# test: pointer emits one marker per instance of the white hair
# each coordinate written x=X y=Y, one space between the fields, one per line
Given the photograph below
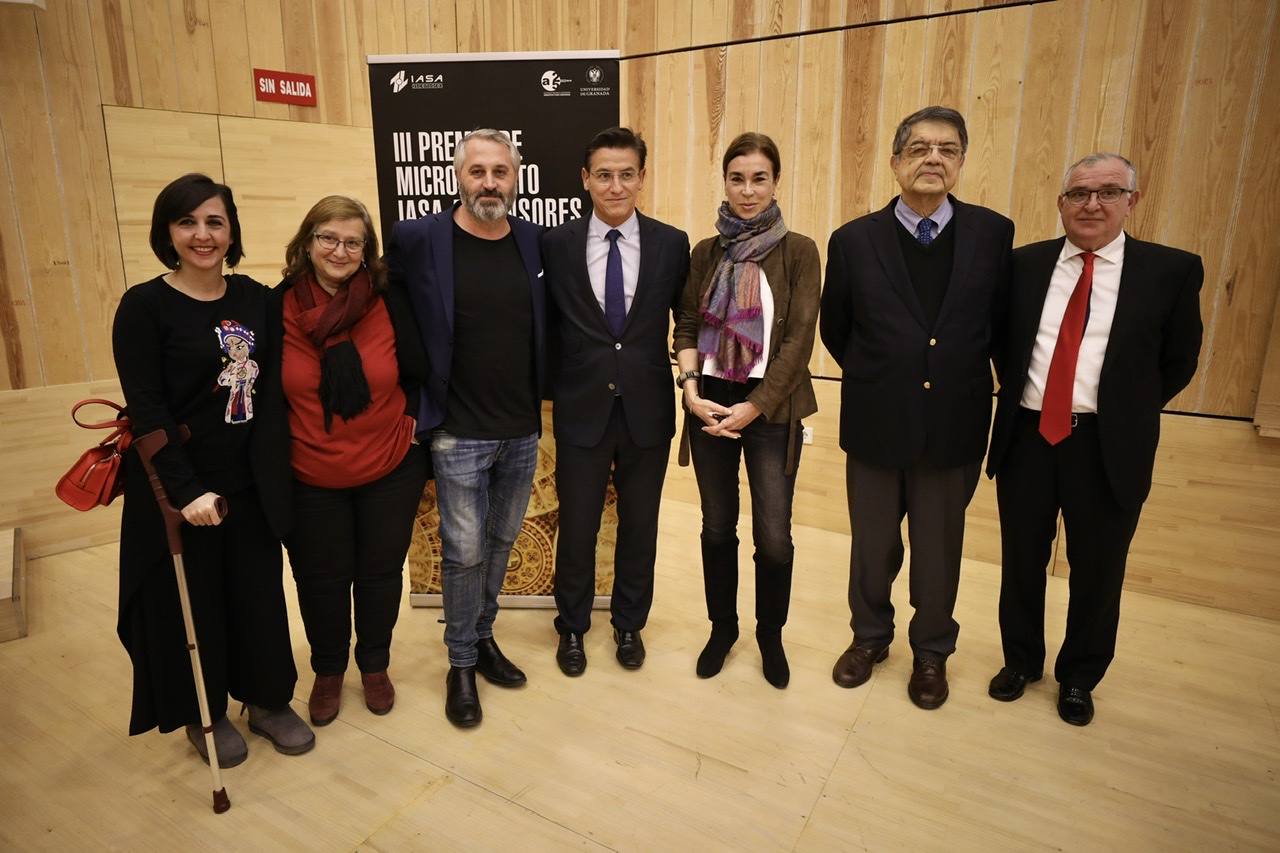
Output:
x=1101 y=157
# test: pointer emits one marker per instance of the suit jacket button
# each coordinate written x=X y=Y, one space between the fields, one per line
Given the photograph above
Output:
x=933 y=342
x=927 y=385
x=612 y=387
x=617 y=346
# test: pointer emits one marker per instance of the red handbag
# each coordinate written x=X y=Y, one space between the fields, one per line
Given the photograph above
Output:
x=97 y=477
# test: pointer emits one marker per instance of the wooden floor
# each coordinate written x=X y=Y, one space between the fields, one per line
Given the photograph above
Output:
x=1183 y=755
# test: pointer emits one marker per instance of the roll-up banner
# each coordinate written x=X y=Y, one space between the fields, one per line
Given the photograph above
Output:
x=551 y=104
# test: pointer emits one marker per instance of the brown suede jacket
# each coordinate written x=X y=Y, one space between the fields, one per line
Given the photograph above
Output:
x=793 y=271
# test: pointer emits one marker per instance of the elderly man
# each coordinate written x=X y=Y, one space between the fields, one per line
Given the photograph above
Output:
x=474 y=274
x=614 y=279
x=907 y=312
x=1103 y=330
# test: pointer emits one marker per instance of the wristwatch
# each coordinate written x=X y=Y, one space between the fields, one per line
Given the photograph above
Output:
x=686 y=376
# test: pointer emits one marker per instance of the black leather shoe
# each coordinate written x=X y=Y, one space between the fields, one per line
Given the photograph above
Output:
x=462 y=703
x=630 y=648
x=1075 y=705
x=1008 y=684
x=495 y=667
x=854 y=666
x=570 y=654
x=928 y=685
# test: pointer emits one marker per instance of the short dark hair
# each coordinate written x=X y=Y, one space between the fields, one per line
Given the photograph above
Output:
x=945 y=115
x=615 y=137
x=181 y=197
x=750 y=143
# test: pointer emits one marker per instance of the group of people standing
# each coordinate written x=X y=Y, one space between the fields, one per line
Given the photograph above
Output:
x=319 y=409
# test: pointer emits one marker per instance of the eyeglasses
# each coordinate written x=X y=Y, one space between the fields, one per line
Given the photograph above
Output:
x=1106 y=195
x=918 y=150
x=605 y=178
x=329 y=243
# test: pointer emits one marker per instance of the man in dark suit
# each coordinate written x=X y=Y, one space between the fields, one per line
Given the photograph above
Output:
x=474 y=275
x=1103 y=330
x=614 y=279
x=907 y=312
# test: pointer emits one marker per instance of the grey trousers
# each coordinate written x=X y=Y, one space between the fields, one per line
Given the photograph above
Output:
x=933 y=500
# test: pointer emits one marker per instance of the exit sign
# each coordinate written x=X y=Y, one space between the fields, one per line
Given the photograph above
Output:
x=284 y=87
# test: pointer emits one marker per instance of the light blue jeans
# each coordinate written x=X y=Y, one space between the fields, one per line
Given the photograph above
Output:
x=482 y=488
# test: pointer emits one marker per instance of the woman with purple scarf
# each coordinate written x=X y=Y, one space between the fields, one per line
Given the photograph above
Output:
x=743 y=341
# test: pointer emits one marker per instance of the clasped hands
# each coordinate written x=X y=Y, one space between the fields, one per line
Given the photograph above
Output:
x=722 y=421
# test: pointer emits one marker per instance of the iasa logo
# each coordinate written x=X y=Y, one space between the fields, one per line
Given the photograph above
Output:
x=401 y=79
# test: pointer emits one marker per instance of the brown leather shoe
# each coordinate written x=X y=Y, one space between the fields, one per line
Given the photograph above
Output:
x=928 y=684
x=379 y=694
x=854 y=666
x=326 y=698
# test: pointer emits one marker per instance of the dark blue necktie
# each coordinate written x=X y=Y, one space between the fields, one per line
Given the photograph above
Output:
x=924 y=231
x=615 y=297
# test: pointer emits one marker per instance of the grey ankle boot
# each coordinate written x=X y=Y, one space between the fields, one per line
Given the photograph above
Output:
x=232 y=749
x=283 y=727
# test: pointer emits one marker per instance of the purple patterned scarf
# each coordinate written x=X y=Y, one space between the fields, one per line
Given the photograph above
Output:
x=732 y=321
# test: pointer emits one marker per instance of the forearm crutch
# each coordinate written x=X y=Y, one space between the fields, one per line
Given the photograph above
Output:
x=147 y=447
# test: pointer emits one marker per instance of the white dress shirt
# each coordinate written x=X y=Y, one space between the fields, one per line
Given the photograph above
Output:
x=709 y=367
x=1107 y=264
x=598 y=255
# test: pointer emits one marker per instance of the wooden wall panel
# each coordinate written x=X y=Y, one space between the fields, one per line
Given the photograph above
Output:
x=20 y=355
x=1210 y=166
x=232 y=67
x=41 y=236
x=148 y=150
x=266 y=48
x=279 y=169
x=84 y=178
x=116 y=53
x=1177 y=84
x=194 y=68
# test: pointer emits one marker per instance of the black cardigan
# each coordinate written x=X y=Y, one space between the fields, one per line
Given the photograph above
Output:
x=270 y=455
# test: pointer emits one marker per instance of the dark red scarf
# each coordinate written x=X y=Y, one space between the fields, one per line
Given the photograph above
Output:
x=344 y=389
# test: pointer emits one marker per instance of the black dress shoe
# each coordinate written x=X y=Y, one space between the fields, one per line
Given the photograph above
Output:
x=853 y=668
x=1008 y=684
x=495 y=667
x=928 y=685
x=630 y=648
x=462 y=703
x=1075 y=705
x=570 y=654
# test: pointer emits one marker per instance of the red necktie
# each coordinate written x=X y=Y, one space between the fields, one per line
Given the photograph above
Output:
x=1055 y=411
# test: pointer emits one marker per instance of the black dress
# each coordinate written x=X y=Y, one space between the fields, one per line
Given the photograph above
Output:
x=186 y=361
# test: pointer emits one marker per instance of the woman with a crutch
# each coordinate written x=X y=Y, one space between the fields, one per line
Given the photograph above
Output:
x=188 y=348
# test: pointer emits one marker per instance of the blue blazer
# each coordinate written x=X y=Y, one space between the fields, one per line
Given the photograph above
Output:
x=420 y=258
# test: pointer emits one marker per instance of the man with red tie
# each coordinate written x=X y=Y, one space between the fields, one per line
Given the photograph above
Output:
x=1102 y=330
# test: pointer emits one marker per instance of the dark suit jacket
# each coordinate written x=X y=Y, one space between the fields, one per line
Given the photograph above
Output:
x=420 y=258
x=1151 y=354
x=873 y=325
x=588 y=362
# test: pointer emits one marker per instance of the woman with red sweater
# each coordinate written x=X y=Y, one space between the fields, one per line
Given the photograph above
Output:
x=352 y=366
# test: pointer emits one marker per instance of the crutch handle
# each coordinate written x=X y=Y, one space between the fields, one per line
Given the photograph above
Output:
x=148 y=446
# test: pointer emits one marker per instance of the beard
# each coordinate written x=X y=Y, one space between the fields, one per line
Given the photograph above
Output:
x=486 y=206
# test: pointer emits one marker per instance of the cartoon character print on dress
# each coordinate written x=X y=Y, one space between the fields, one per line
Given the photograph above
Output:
x=240 y=371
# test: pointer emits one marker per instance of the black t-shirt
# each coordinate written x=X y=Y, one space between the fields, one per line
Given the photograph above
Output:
x=492 y=379
x=930 y=267
x=185 y=361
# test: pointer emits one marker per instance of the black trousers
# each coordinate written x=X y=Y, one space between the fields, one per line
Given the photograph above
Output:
x=1035 y=481
x=716 y=464
x=350 y=544
x=582 y=476
x=933 y=500
x=234 y=577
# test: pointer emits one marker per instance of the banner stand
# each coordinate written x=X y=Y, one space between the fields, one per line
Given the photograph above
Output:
x=551 y=104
